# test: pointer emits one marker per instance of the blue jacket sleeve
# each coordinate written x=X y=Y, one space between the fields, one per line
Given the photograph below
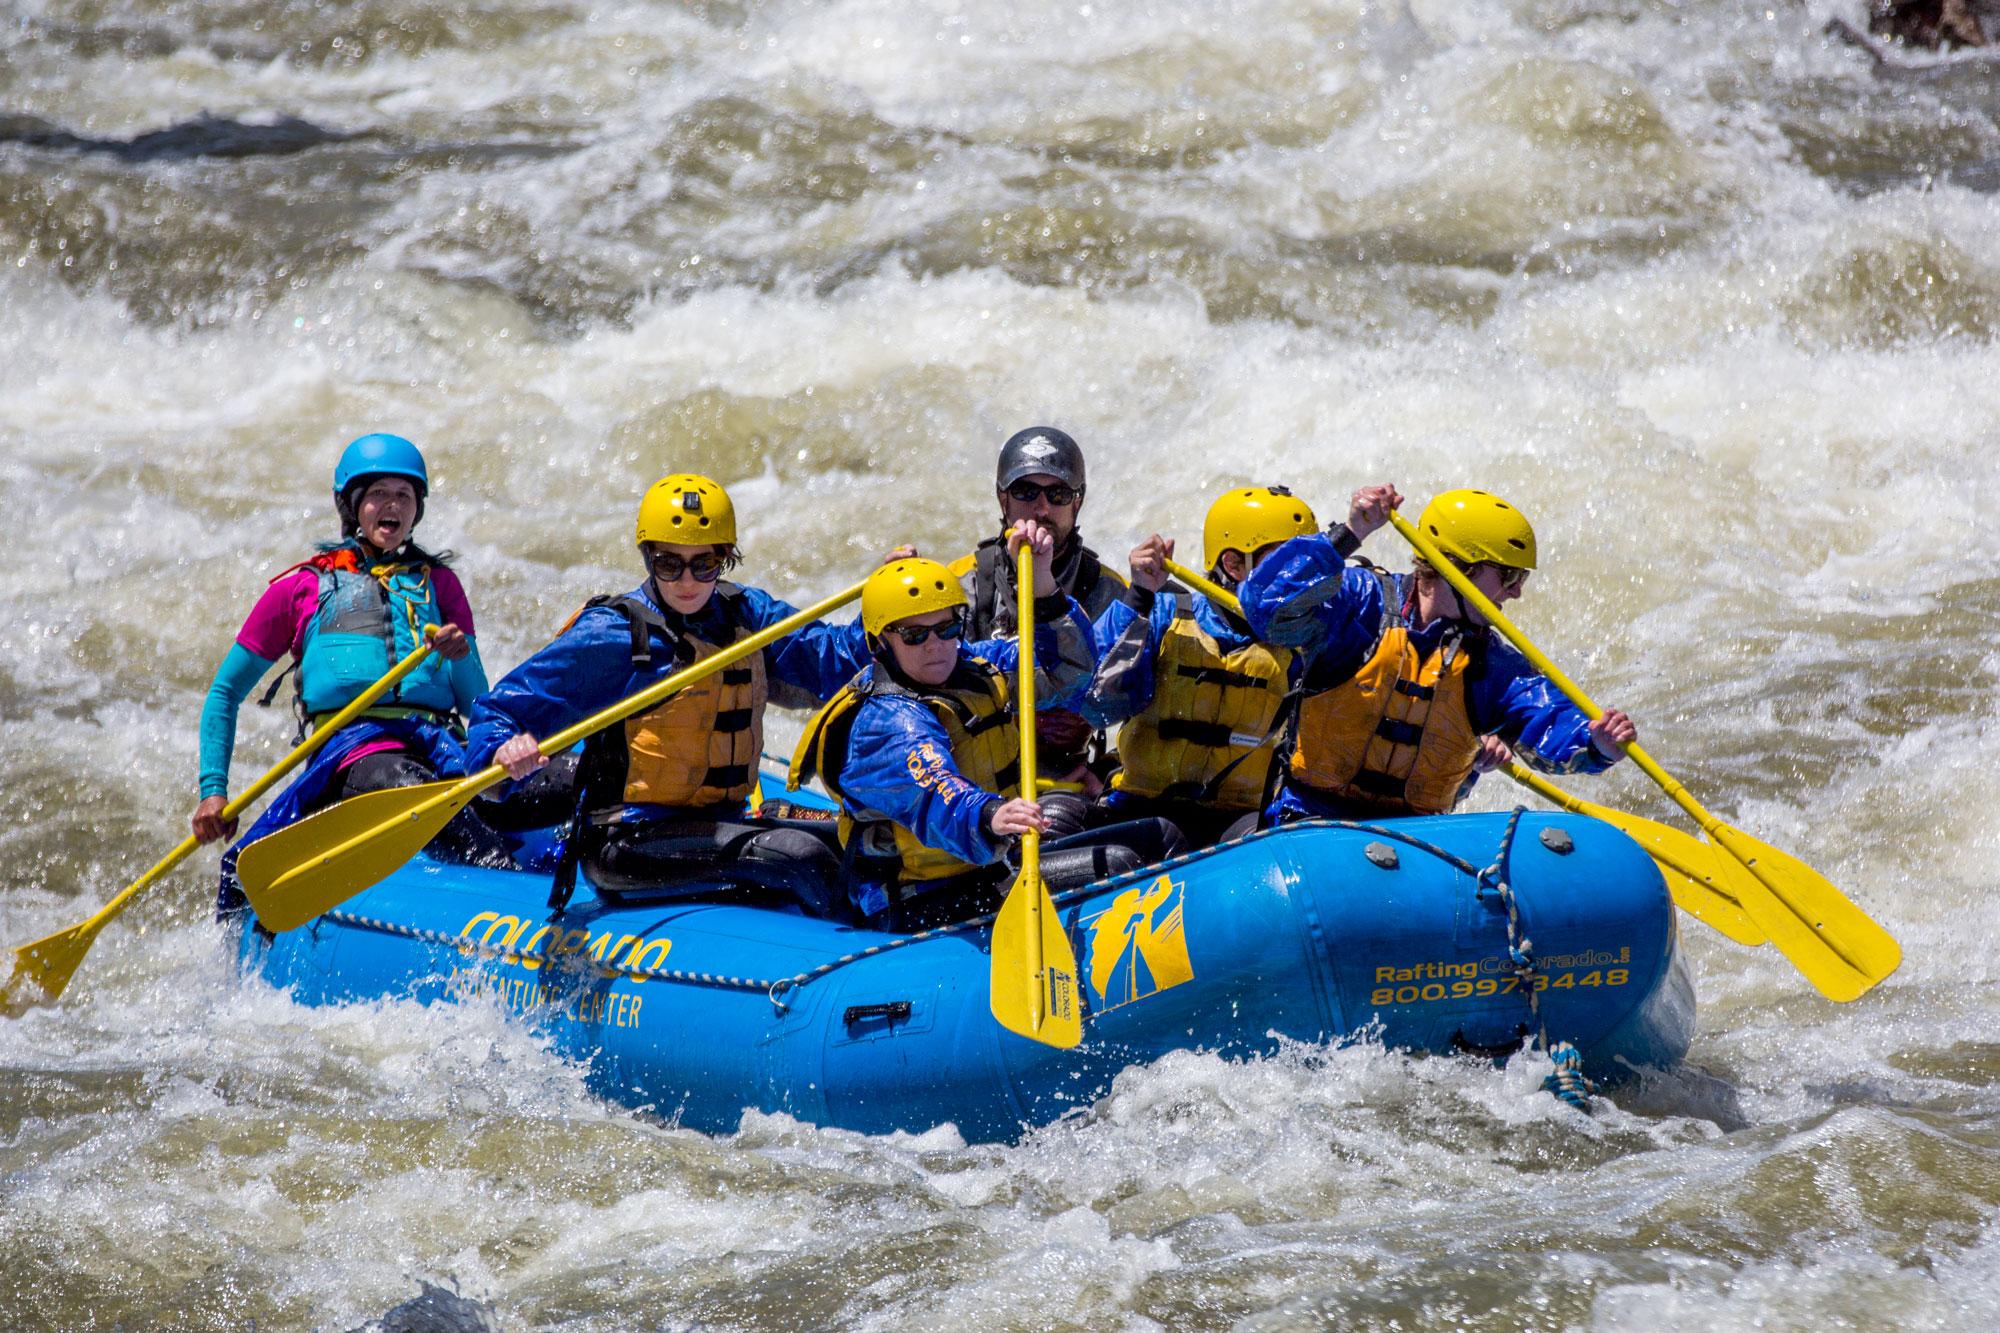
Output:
x=1127 y=638
x=1305 y=595
x=899 y=765
x=1512 y=700
x=586 y=669
x=819 y=658
x=239 y=673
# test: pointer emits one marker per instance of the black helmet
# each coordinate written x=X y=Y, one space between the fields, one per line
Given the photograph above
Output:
x=1041 y=449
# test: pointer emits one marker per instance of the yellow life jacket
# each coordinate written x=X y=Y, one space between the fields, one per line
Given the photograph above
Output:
x=1396 y=735
x=699 y=746
x=1211 y=730
x=975 y=707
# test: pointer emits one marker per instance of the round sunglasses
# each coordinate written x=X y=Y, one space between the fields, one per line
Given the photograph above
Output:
x=667 y=566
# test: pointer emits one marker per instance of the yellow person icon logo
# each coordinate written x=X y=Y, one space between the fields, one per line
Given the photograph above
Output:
x=1138 y=947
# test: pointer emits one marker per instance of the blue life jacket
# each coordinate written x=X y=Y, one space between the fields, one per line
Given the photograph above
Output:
x=369 y=618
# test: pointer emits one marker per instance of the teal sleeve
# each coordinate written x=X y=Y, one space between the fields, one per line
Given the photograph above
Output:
x=468 y=679
x=234 y=679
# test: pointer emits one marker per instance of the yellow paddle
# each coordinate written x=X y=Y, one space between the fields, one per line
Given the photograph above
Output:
x=1834 y=943
x=1034 y=967
x=1697 y=873
x=315 y=865
x=46 y=965
x=1688 y=864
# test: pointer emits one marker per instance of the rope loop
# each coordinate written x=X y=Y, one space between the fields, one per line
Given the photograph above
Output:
x=1568 y=1081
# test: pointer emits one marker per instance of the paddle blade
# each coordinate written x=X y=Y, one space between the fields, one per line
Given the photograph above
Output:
x=43 y=969
x=315 y=865
x=1034 y=968
x=1836 y=945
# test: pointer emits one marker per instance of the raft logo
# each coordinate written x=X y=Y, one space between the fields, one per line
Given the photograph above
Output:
x=1139 y=947
x=627 y=955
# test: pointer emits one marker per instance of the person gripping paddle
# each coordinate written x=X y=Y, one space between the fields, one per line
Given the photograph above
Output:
x=345 y=616
x=1409 y=695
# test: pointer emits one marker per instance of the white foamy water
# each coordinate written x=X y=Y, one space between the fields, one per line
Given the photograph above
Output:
x=1705 y=293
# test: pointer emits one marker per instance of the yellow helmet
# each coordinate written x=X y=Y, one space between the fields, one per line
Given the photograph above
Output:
x=687 y=510
x=907 y=588
x=1251 y=518
x=1475 y=526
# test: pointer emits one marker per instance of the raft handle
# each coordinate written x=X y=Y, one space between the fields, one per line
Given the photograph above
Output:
x=861 y=1013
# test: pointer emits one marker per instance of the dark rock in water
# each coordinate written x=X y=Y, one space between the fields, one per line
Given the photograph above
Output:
x=1934 y=23
x=435 y=1309
x=205 y=136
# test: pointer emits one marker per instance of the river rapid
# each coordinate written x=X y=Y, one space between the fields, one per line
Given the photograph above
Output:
x=1709 y=294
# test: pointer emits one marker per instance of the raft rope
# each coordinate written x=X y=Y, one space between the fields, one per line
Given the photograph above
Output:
x=1568 y=1081
x=464 y=945
x=778 y=991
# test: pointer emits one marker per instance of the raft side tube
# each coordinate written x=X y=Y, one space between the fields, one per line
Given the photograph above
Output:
x=1306 y=933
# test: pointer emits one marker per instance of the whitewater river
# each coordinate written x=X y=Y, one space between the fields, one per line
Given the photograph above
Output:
x=1707 y=293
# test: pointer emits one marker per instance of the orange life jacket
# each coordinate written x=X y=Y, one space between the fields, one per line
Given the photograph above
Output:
x=1396 y=734
x=697 y=747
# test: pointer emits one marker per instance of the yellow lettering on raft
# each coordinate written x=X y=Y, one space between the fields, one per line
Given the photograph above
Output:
x=637 y=962
x=630 y=955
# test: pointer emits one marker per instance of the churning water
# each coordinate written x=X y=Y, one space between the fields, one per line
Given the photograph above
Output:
x=1709 y=294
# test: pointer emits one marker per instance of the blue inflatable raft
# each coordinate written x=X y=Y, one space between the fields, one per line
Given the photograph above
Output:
x=1467 y=933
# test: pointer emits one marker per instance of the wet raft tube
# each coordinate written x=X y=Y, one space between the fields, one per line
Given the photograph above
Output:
x=1311 y=932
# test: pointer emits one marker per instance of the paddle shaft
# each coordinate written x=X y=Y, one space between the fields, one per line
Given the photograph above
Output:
x=1206 y=586
x=301 y=752
x=1031 y=840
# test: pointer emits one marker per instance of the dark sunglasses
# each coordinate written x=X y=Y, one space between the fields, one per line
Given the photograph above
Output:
x=667 y=566
x=916 y=634
x=1512 y=577
x=1059 y=493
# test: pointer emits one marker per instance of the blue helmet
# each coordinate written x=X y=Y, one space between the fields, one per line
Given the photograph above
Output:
x=380 y=456
x=370 y=457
